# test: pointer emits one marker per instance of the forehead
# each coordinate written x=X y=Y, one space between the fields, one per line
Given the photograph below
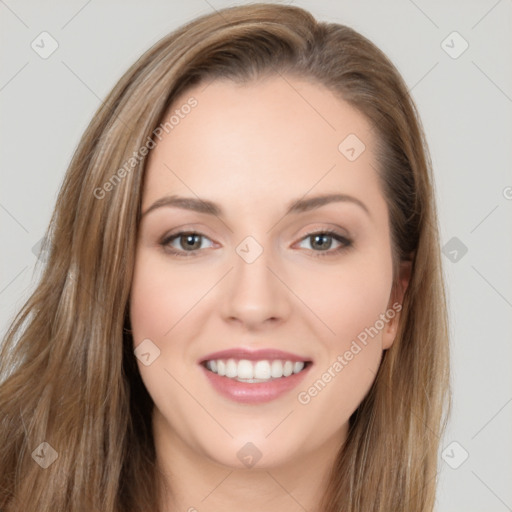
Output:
x=260 y=140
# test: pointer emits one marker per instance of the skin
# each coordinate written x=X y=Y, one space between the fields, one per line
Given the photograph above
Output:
x=252 y=149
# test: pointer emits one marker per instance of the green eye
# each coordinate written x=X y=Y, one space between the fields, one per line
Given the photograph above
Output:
x=188 y=241
x=322 y=241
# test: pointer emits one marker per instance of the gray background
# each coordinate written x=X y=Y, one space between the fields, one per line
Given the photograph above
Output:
x=465 y=104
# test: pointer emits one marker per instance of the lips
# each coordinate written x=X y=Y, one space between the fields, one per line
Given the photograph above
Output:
x=254 y=355
x=254 y=376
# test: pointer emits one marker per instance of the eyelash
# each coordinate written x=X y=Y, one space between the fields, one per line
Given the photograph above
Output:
x=346 y=243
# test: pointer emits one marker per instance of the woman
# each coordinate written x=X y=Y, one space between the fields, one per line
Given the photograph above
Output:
x=243 y=303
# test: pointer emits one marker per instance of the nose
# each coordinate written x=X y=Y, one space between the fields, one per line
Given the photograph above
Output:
x=253 y=295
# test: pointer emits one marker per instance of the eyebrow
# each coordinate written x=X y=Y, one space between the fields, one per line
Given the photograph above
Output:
x=294 y=207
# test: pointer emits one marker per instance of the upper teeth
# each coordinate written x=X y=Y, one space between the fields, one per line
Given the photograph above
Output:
x=253 y=371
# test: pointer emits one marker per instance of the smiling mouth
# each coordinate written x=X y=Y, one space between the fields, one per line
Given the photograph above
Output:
x=244 y=370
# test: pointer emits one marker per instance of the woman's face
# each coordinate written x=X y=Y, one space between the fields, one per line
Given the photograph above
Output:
x=256 y=281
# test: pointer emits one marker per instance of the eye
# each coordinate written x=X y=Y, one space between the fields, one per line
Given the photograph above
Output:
x=320 y=242
x=188 y=243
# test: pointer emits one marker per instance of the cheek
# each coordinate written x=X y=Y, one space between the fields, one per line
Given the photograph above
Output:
x=347 y=298
x=160 y=297
x=349 y=301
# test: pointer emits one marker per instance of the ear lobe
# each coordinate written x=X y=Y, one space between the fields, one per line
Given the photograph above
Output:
x=396 y=298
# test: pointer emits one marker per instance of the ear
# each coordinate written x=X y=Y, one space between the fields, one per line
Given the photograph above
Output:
x=395 y=304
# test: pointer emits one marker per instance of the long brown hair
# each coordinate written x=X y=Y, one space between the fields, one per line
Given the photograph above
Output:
x=68 y=372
